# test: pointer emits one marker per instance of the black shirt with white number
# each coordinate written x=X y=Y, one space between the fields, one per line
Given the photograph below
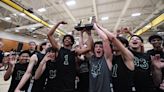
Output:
x=122 y=77
x=142 y=74
x=19 y=71
x=51 y=74
x=66 y=69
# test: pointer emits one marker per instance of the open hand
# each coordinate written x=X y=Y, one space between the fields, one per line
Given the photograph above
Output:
x=47 y=57
x=12 y=60
x=125 y=30
x=157 y=62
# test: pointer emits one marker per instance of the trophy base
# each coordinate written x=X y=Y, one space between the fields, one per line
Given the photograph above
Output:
x=87 y=26
x=78 y=28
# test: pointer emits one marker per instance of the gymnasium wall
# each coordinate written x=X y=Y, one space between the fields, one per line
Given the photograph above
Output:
x=12 y=44
x=11 y=41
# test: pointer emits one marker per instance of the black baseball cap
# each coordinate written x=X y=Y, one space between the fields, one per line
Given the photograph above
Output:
x=153 y=37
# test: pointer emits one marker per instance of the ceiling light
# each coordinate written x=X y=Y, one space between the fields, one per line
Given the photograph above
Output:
x=7 y=18
x=71 y=2
x=22 y=14
x=160 y=33
x=15 y=14
x=135 y=14
x=17 y=30
x=104 y=18
x=42 y=10
x=33 y=28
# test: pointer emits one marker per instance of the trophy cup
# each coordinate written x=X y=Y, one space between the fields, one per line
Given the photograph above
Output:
x=85 y=23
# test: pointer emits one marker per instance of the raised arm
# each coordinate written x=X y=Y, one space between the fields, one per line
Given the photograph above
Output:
x=51 y=36
x=28 y=73
x=106 y=46
x=127 y=55
x=81 y=40
x=89 y=44
x=127 y=30
x=42 y=66
x=11 y=65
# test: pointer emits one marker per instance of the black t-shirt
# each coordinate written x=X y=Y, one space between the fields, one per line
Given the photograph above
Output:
x=153 y=52
x=142 y=75
x=51 y=74
x=1 y=56
x=66 y=69
x=122 y=77
x=33 y=52
x=84 y=66
x=19 y=71
x=38 y=85
x=83 y=84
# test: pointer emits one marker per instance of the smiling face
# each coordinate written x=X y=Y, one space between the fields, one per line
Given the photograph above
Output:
x=98 y=50
x=156 y=42
x=24 y=57
x=67 y=41
x=135 y=42
x=53 y=53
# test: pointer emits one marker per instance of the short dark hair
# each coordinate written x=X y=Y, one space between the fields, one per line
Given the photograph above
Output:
x=51 y=49
x=71 y=37
x=153 y=37
x=24 y=51
x=32 y=42
x=138 y=37
x=42 y=44
x=123 y=41
x=98 y=42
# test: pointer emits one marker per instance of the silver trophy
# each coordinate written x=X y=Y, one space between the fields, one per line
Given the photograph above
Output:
x=86 y=23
